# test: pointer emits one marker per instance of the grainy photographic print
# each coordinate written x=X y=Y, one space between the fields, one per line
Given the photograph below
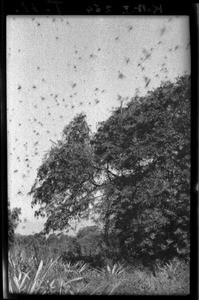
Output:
x=98 y=132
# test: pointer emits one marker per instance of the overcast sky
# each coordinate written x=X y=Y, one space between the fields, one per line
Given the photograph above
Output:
x=58 y=66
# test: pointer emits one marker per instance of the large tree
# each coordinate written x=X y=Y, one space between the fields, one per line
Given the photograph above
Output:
x=147 y=144
x=134 y=174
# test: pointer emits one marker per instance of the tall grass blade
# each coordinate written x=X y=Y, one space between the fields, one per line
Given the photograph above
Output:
x=23 y=280
x=108 y=268
x=105 y=290
x=33 y=288
x=114 y=267
x=61 y=285
x=112 y=290
x=72 y=280
x=96 y=290
x=37 y=283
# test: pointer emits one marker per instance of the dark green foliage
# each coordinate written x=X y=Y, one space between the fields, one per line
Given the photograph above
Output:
x=89 y=239
x=148 y=147
x=133 y=174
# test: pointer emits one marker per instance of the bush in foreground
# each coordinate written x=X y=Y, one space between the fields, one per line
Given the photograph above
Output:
x=56 y=277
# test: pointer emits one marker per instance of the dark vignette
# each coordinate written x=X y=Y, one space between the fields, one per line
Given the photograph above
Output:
x=59 y=7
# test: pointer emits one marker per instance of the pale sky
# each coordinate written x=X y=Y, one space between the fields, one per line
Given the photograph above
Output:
x=59 y=66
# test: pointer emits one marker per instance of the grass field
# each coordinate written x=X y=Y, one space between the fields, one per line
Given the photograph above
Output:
x=28 y=276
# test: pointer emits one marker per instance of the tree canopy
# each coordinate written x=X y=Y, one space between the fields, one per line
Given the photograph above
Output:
x=133 y=174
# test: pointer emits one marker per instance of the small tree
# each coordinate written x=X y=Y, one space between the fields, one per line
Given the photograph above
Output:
x=13 y=221
x=65 y=186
